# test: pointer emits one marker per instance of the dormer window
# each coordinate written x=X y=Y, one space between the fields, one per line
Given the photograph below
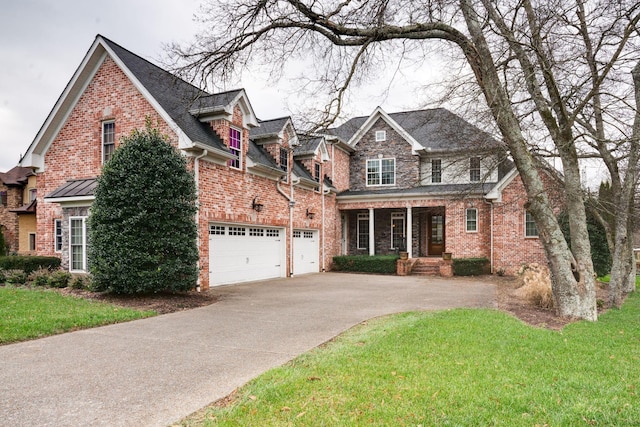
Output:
x=316 y=172
x=108 y=140
x=474 y=169
x=235 y=146
x=284 y=159
x=381 y=135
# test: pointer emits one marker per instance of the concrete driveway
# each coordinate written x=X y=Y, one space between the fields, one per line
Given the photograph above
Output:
x=153 y=372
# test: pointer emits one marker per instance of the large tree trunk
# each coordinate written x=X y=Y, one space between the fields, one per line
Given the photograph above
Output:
x=572 y=279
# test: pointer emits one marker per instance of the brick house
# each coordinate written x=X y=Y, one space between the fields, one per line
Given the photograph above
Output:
x=18 y=210
x=272 y=202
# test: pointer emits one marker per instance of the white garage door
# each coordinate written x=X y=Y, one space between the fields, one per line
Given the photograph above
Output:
x=241 y=253
x=305 y=251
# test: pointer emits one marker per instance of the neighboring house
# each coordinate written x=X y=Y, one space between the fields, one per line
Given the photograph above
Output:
x=18 y=209
x=273 y=202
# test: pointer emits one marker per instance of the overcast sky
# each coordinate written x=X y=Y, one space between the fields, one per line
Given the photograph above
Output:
x=42 y=42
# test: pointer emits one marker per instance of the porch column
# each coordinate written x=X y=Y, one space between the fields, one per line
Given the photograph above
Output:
x=408 y=238
x=372 y=239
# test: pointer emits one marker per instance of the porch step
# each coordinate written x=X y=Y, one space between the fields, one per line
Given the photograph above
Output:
x=426 y=267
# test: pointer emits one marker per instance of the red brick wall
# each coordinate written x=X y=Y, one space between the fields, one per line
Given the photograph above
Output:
x=511 y=248
x=76 y=151
x=338 y=168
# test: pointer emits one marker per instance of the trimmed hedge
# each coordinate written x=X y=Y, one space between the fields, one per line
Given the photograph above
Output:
x=378 y=264
x=470 y=266
x=29 y=263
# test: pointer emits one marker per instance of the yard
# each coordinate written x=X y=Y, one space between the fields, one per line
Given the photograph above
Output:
x=458 y=367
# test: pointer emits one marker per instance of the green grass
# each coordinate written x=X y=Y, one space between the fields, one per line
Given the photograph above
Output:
x=27 y=314
x=607 y=278
x=461 y=367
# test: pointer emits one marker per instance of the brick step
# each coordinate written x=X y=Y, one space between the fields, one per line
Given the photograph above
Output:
x=426 y=267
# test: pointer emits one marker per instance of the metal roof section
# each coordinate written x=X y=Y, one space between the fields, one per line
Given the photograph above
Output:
x=73 y=190
x=426 y=191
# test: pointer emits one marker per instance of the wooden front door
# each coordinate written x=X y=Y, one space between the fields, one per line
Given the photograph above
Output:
x=435 y=235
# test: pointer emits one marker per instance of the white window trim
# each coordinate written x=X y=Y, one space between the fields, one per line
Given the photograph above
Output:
x=55 y=235
x=380 y=160
x=537 y=235
x=381 y=135
x=466 y=220
x=102 y=138
x=240 y=148
x=361 y=216
x=84 y=245
x=396 y=216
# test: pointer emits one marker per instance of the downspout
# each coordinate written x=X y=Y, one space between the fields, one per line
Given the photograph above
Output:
x=196 y=173
x=325 y=191
x=292 y=203
x=490 y=203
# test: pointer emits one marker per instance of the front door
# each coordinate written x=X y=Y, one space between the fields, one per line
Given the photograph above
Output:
x=435 y=235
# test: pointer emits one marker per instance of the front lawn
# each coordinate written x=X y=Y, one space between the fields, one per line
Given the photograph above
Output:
x=457 y=367
x=33 y=313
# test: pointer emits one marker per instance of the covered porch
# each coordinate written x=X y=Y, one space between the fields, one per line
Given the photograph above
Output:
x=417 y=230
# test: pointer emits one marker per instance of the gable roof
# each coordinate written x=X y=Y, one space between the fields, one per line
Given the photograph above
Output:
x=172 y=97
x=16 y=176
x=309 y=145
x=431 y=130
x=173 y=94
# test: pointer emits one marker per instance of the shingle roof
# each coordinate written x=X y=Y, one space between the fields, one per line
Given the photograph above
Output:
x=174 y=95
x=269 y=127
x=75 y=188
x=436 y=129
x=301 y=171
x=26 y=209
x=307 y=145
x=427 y=190
x=16 y=176
x=260 y=155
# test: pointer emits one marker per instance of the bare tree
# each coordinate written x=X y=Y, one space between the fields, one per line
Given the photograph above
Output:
x=537 y=65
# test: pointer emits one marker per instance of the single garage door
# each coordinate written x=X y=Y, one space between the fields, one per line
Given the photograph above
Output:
x=242 y=253
x=305 y=251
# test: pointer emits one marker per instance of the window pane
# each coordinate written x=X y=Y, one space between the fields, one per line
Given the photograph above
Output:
x=363 y=231
x=388 y=171
x=108 y=140
x=530 y=227
x=436 y=170
x=474 y=169
x=472 y=220
x=235 y=146
x=373 y=172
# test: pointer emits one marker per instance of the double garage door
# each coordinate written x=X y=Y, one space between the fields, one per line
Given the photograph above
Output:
x=242 y=253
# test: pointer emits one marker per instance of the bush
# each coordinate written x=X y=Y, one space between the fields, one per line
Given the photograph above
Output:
x=536 y=285
x=378 y=264
x=59 y=279
x=15 y=277
x=1 y=276
x=29 y=264
x=79 y=281
x=150 y=245
x=470 y=266
x=40 y=277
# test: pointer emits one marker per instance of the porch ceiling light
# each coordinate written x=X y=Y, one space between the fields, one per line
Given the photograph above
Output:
x=256 y=205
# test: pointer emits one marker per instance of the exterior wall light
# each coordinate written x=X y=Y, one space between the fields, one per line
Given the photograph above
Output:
x=256 y=205
x=310 y=214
